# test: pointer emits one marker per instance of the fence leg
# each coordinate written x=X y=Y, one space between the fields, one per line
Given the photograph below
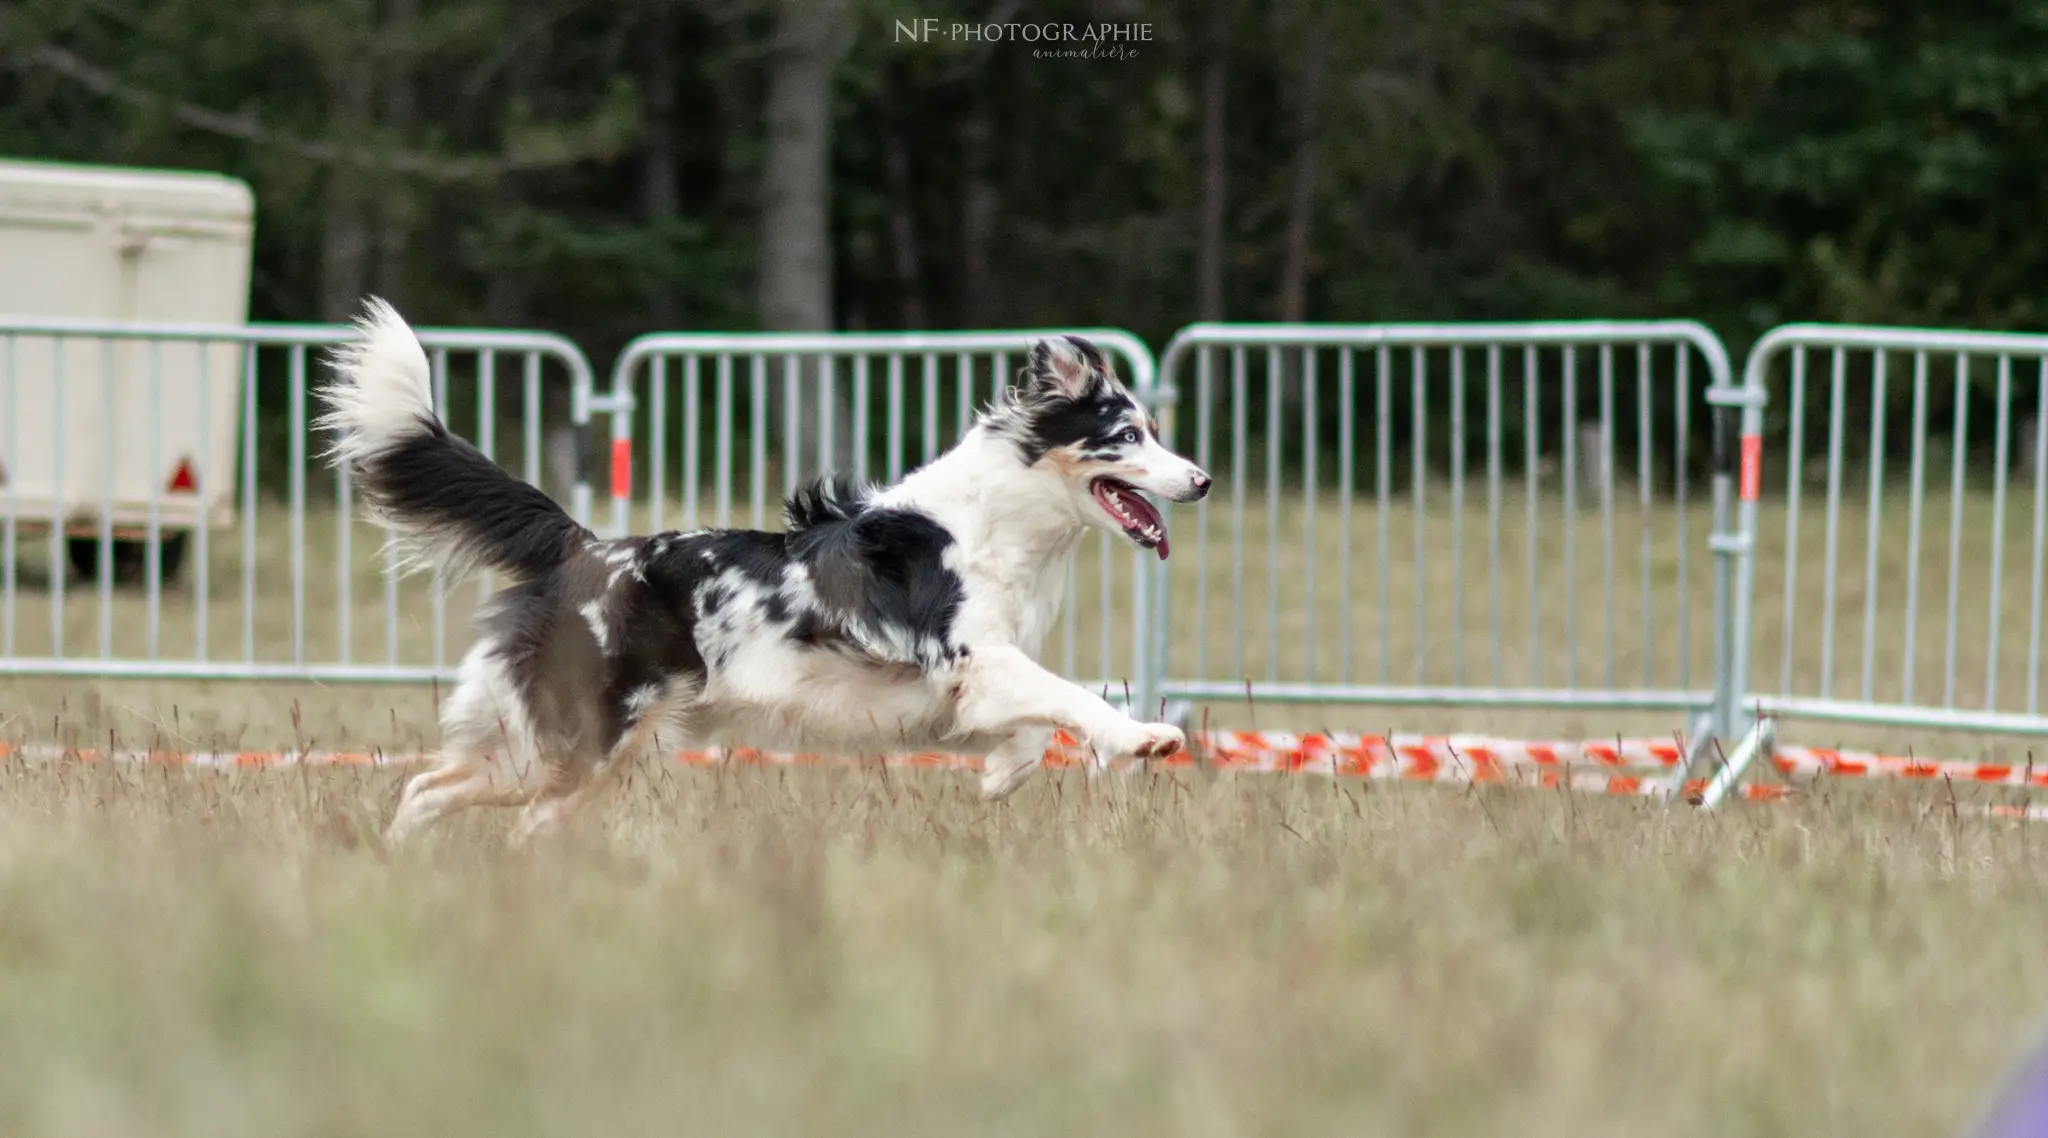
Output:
x=1726 y=544
x=1698 y=743
x=1752 y=396
x=1760 y=740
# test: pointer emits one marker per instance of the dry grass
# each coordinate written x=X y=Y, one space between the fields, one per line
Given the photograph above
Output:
x=743 y=952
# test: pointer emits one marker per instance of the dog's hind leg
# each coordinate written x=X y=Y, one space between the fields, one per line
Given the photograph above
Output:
x=461 y=779
x=564 y=798
x=576 y=784
x=1012 y=763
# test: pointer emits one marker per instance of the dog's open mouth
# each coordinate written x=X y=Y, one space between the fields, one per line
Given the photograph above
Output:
x=1140 y=519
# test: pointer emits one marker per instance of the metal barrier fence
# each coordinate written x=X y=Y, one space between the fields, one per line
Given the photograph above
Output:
x=134 y=450
x=1933 y=620
x=1941 y=609
x=1344 y=501
x=1504 y=515
x=765 y=409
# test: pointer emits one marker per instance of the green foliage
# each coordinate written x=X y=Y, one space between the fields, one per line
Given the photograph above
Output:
x=509 y=163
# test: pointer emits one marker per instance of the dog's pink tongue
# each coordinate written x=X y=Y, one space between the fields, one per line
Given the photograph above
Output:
x=1162 y=545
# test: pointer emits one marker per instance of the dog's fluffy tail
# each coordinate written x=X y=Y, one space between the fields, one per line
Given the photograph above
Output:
x=440 y=496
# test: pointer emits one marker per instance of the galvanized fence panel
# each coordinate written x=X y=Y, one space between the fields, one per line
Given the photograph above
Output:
x=723 y=426
x=149 y=528
x=1902 y=540
x=1390 y=528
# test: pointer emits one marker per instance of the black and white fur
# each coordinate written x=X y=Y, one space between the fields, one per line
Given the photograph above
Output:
x=887 y=619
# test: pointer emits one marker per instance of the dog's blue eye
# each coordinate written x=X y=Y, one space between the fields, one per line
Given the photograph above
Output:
x=1131 y=436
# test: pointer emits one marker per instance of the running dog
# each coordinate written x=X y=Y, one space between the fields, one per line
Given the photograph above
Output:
x=882 y=619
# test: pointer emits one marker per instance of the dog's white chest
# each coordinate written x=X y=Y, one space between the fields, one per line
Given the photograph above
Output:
x=1011 y=599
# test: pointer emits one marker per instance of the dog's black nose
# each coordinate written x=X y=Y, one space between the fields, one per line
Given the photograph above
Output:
x=1202 y=484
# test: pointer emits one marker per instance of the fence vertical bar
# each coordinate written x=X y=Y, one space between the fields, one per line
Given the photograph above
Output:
x=1418 y=367
x=1346 y=463
x=657 y=442
x=792 y=425
x=1838 y=379
x=724 y=453
x=1308 y=513
x=1794 y=481
x=2001 y=431
x=1239 y=393
x=963 y=378
x=827 y=411
x=858 y=444
x=297 y=413
x=1532 y=481
x=1205 y=429
x=930 y=408
x=1916 y=494
x=249 y=513
x=895 y=425
x=1644 y=437
x=1275 y=430
x=1493 y=491
x=1870 y=538
x=1457 y=515
x=1383 y=379
x=693 y=440
x=2040 y=539
x=1955 y=527
x=1607 y=510
x=1682 y=449
x=757 y=415
x=1569 y=425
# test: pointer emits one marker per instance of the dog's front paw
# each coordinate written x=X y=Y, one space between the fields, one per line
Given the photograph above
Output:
x=1134 y=740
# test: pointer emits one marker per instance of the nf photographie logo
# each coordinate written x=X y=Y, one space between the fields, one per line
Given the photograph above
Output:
x=1047 y=41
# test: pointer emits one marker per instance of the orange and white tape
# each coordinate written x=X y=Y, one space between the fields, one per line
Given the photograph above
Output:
x=1419 y=758
x=1817 y=762
x=1455 y=758
x=1589 y=767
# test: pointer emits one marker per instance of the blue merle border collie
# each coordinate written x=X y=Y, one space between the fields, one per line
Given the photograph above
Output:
x=886 y=619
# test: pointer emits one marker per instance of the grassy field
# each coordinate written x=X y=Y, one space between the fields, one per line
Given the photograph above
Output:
x=851 y=952
x=840 y=952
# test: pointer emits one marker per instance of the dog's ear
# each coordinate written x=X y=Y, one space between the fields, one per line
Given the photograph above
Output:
x=1065 y=366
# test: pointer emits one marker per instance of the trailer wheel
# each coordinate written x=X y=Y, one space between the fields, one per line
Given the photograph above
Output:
x=129 y=558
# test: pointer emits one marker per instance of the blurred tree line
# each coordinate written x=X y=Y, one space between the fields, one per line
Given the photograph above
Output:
x=603 y=169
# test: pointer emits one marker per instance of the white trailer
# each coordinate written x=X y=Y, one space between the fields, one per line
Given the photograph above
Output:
x=145 y=428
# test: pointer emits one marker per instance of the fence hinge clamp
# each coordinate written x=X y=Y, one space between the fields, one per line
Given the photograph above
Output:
x=1737 y=397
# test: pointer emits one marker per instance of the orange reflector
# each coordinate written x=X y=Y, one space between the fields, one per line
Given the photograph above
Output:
x=184 y=481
